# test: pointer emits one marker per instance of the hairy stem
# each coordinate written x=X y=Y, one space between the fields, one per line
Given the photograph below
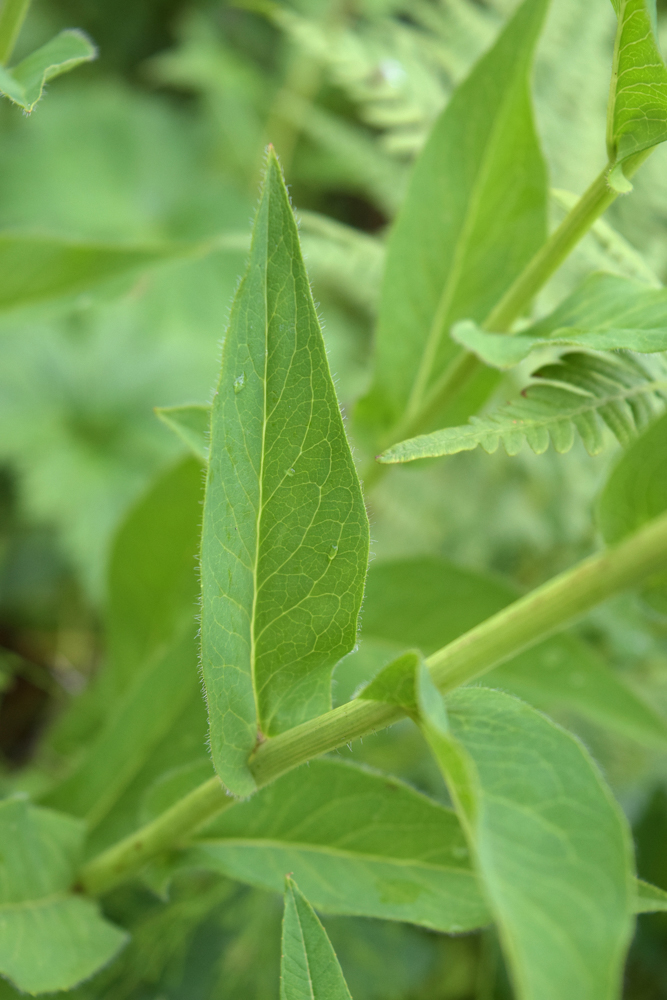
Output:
x=12 y=16
x=521 y=625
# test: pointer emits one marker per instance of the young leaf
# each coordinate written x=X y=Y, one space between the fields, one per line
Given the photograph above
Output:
x=309 y=969
x=473 y=216
x=285 y=537
x=358 y=842
x=551 y=846
x=189 y=423
x=579 y=392
x=50 y=939
x=650 y=899
x=637 y=113
x=636 y=492
x=605 y=313
x=429 y=602
x=24 y=83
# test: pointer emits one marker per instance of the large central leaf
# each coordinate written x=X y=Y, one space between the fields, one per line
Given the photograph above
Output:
x=285 y=536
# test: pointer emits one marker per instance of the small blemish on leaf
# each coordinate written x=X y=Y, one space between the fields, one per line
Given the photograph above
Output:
x=331 y=554
x=239 y=382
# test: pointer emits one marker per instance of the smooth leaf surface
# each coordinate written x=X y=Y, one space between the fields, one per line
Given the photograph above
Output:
x=650 y=899
x=191 y=424
x=38 y=268
x=49 y=939
x=637 y=116
x=473 y=216
x=309 y=969
x=151 y=674
x=285 y=537
x=579 y=393
x=24 y=83
x=358 y=842
x=428 y=602
x=551 y=846
x=636 y=492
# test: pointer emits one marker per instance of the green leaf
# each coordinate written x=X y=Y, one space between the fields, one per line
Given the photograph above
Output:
x=39 y=268
x=309 y=969
x=650 y=899
x=191 y=424
x=474 y=215
x=636 y=492
x=578 y=393
x=358 y=842
x=604 y=313
x=50 y=939
x=285 y=537
x=142 y=717
x=551 y=845
x=428 y=602
x=24 y=83
x=152 y=580
x=151 y=674
x=637 y=114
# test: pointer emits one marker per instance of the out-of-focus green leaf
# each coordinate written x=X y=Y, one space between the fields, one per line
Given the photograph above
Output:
x=578 y=393
x=637 y=114
x=142 y=717
x=50 y=939
x=39 y=268
x=550 y=844
x=429 y=602
x=606 y=312
x=191 y=424
x=151 y=675
x=650 y=899
x=309 y=967
x=636 y=492
x=285 y=536
x=24 y=83
x=359 y=843
x=473 y=216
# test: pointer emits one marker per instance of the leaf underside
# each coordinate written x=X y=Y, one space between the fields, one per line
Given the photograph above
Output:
x=285 y=536
x=580 y=393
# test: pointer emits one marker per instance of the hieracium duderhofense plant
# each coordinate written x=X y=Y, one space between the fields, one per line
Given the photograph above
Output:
x=534 y=843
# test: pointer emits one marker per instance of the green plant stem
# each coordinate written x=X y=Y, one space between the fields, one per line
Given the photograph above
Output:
x=163 y=833
x=12 y=16
x=462 y=369
x=528 y=621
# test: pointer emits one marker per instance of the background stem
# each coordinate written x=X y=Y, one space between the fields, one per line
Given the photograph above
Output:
x=521 y=625
x=12 y=16
x=588 y=209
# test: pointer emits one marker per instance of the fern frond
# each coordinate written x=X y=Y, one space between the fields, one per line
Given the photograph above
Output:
x=580 y=393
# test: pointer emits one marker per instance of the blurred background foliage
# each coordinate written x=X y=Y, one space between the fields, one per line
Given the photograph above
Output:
x=159 y=145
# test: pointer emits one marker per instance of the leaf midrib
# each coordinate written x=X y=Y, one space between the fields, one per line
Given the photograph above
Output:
x=263 y=842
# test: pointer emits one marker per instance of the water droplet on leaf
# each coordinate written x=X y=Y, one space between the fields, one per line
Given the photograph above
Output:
x=291 y=472
x=331 y=554
x=239 y=382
